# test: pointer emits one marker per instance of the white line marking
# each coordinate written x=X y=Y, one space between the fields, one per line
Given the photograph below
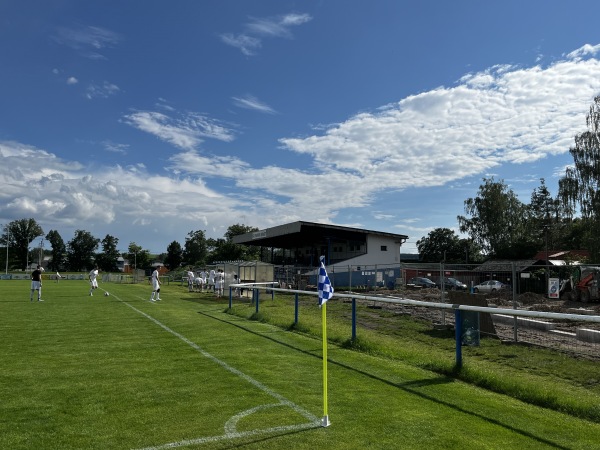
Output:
x=234 y=436
x=230 y=426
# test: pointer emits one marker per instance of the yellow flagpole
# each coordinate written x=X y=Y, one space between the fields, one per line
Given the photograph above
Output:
x=325 y=420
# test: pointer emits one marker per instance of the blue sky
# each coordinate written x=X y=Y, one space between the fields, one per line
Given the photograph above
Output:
x=148 y=120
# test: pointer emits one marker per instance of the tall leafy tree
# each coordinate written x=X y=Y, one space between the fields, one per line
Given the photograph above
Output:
x=224 y=249
x=174 y=256
x=498 y=222
x=547 y=221
x=247 y=252
x=18 y=235
x=442 y=244
x=137 y=256
x=195 y=248
x=59 y=250
x=579 y=189
x=107 y=259
x=81 y=250
x=237 y=229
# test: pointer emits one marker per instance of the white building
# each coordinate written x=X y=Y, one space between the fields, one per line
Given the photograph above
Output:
x=302 y=243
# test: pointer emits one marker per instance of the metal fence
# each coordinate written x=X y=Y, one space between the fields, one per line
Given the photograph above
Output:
x=471 y=318
x=527 y=285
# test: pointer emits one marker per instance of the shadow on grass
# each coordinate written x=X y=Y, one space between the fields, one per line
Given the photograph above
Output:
x=409 y=386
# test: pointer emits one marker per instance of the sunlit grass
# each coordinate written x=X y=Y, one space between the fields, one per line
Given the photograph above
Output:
x=121 y=372
x=539 y=376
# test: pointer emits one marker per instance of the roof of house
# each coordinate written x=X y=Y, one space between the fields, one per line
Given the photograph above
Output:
x=506 y=265
x=299 y=234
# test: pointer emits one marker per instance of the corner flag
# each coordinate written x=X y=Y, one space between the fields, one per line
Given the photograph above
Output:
x=325 y=293
x=324 y=285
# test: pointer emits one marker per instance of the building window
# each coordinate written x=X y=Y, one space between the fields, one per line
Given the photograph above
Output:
x=384 y=248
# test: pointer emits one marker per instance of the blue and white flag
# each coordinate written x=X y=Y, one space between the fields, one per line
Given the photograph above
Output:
x=324 y=285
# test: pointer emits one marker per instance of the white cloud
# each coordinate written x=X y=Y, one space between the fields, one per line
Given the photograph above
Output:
x=258 y=28
x=115 y=147
x=277 y=26
x=246 y=44
x=495 y=117
x=72 y=80
x=68 y=195
x=88 y=40
x=585 y=50
x=501 y=116
x=251 y=102
x=103 y=90
x=185 y=132
x=295 y=19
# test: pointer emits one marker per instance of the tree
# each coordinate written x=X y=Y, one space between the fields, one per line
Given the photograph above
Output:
x=195 y=248
x=246 y=252
x=498 y=222
x=472 y=252
x=20 y=234
x=174 y=256
x=137 y=256
x=441 y=244
x=59 y=251
x=224 y=250
x=107 y=259
x=238 y=229
x=81 y=250
x=550 y=222
x=580 y=187
x=6 y=250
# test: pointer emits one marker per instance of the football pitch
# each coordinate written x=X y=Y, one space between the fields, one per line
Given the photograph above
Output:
x=121 y=372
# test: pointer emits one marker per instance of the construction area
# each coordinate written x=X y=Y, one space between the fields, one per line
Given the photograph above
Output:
x=578 y=338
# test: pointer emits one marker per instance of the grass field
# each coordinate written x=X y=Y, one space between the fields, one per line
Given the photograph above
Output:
x=120 y=372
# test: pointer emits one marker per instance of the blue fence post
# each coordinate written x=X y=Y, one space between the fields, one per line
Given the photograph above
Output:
x=230 y=298
x=353 y=319
x=458 y=335
x=272 y=291
x=296 y=308
x=256 y=293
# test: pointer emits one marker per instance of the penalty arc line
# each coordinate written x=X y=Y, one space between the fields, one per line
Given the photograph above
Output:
x=314 y=422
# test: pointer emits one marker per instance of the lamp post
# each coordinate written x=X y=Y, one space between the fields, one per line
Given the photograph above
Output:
x=27 y=256
x=41 y=255
x=547 y=263
x=402 y=241
x=7 y=239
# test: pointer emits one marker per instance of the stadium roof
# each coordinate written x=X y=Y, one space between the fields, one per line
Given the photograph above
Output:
x=300 y=234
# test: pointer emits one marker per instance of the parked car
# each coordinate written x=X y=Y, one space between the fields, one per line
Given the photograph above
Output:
x=452 y=284
x=422 y=282
x=490 y=286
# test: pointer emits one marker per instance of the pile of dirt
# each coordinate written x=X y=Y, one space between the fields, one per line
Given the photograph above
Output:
x=530 y=298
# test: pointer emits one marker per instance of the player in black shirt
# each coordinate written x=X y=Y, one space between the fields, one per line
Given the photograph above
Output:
x=36 y=284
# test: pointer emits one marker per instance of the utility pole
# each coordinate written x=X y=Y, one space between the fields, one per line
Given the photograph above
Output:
x=7 y=239
x=41 y=255
x=547 y=263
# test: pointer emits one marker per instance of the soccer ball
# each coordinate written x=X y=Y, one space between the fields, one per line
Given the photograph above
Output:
x=106 y=294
